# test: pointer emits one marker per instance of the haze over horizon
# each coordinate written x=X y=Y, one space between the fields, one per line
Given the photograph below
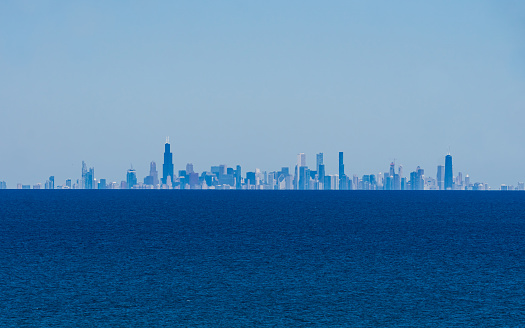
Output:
x=256 y=83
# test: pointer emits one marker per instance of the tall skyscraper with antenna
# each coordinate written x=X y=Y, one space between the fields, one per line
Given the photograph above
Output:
x=167 y=167
x=449 y=176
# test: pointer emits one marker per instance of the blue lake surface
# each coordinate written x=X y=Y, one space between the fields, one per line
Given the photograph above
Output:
x=89 y=258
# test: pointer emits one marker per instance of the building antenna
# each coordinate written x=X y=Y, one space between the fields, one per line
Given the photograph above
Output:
x=167 y=139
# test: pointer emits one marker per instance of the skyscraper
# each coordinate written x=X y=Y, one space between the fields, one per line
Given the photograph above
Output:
x=413 y=181
x=50 y=184
x=238 y=179
x=189 y=168
x=342 y=176
x=154 y=173
x=301 y=159
x=153 y=178
x=167 y=167
x=420 y=178
x=319 y=161
x=102 y=184
x=88 y=177
x=448 y=172
x=84 y=173
x=131 y=178
x=321 y=173
x=441 y=177
x=303 y=178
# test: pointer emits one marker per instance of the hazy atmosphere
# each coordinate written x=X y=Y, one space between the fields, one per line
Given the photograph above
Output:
x=255 y=83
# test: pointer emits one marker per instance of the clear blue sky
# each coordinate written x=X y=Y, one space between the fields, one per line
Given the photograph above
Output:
x=256 y=82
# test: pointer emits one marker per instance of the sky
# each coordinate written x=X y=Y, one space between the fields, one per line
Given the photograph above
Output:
x=257 y=82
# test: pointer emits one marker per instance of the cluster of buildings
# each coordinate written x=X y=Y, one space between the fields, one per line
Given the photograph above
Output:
x=301 y=177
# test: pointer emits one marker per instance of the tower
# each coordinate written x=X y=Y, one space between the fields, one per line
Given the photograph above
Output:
x=131 y=178
x=342 y=176
x=301 y=161
x=319 y=161
x=153 y=173
x=441 y=177
x=167 y=167
x=448 y=172
x=84 y=175
x=238 y=179
x=153 y=178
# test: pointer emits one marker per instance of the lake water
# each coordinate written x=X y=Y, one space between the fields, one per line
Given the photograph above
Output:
x=89 y=258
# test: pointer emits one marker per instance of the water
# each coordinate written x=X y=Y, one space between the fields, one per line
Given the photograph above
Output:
x=255 y=258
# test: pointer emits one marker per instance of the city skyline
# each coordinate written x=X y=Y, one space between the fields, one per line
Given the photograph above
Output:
x=256 y=83
x=299 y=177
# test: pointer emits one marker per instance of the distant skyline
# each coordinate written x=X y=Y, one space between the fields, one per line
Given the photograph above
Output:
x=255 y=84
x=300 y=176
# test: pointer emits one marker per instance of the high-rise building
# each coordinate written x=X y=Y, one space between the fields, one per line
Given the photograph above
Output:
x=301 y=159
x=102 y=184
x=301 y=162
x=189 y=168
x=459 y=181
x=3 y=185
x=222 y=170
x=238 y=177
x=153 y=178
x=250 y=178
x=389 y=182
x=413 y=181
x=392 y=169
x=327 y=183
x=167 y=167
x=342 y=176
x=84 y=172
x=131 y=178
x=88 y=177
x=319 y=161
x=154 y=173
x=417 y=179
x=321 y=173
x=448 y=173
x=50 y=184
x=91 y=178
x=396 y=181
x=304 y=178
x=420 y=178
x=193 y=180
x=440 y=177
